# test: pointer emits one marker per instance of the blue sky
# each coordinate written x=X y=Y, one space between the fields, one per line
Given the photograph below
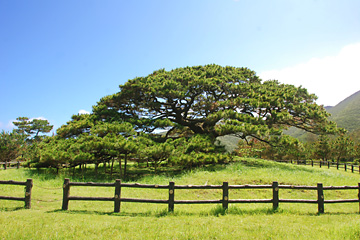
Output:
x=58 y=58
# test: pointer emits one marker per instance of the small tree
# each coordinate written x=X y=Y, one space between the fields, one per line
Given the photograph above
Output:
x=285 y=147
x=106 y=142
x=32 y=127
x=343 y=147
x=251 y=148
x=11 y=146
x=197 y=150
x=53 y=152
x=323 y=147
x=289 y=147
x=158 y=152
x=357 y=153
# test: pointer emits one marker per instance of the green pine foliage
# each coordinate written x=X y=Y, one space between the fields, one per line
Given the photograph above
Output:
x=12 y=146
x=214 y=101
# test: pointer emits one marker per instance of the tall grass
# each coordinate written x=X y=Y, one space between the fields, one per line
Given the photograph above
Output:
x=90 y=220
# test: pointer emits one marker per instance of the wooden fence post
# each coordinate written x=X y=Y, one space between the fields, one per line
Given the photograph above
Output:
x=345 y=166
x=18 y=164
x=359 y=195
x=328 y=164
x=225 y=198
x=66 y=194
x=312 y=163
x=337 y=165
x=117 y=196
x=28 y=187
x=171 y=196
x=275 y=187
x=352 y=168
x=320 y=163
x=320 y=199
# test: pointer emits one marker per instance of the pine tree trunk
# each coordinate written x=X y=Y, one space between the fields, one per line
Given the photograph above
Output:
x=112 y=167
x=96 y=168
x=125 y=166
x=120 y=167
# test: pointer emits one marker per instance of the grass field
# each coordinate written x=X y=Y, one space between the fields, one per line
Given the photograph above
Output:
x=96 y=220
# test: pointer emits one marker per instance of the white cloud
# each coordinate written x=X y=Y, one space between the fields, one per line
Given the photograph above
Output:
x=10 y=124
x=331 y=78
x=83 y=112
x=7 y=126
x=39 y=118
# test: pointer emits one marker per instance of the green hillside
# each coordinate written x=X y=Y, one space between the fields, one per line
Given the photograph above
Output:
x=346 y=114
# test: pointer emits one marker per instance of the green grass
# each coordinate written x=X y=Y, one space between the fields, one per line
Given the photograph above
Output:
x=96 y=220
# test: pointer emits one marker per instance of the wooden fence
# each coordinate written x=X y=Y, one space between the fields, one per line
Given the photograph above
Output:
x=347 y=167
x=28 y=186
x=12 y=164
x=225 y=200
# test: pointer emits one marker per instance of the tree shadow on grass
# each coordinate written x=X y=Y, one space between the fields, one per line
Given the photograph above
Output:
x=42 y=173
x=134 y=173
x=11 y=209
x=161 y=213
x=272 y=164
x=220 y=211
x=216 y=211
x=137 y=174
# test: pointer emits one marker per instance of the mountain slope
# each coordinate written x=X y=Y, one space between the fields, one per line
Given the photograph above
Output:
x=347 y=113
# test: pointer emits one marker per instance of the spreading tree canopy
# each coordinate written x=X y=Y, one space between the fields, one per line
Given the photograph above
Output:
x=215 y=101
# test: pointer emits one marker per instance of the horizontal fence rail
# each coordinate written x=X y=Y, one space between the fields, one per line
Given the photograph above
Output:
x=28 y=186
x=225 y=200
x=11 y=164
x=347 y=167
